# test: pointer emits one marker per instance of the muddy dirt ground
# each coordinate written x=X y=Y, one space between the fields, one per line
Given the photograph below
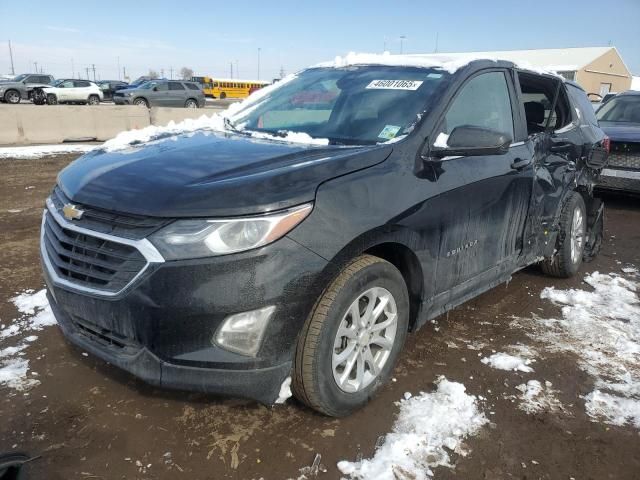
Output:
x=88 y=420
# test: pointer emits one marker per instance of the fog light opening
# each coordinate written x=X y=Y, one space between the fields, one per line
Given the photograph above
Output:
x=243 y=332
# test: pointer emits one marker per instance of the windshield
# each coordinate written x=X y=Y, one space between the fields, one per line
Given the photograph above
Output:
x=21 y=77
x=56 y=83
x=623 y=109
x=353 y=105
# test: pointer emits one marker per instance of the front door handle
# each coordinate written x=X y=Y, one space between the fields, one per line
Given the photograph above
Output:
x=520 y=163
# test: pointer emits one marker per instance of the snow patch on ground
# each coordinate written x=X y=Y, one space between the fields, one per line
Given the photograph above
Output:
x=35 y=315
x=285 y=391
x=538 y=398
x=601 y=327
x=38 y=151
x=428 y=427
x=504 y=361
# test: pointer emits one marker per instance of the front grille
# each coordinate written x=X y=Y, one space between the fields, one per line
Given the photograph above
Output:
x=103 y=335
x=625 y=155
x=90 y=261
x=134 y=227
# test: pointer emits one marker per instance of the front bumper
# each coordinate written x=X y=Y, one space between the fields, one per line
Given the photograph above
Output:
x=160 y=328
x=121 y=100
x=618 y=179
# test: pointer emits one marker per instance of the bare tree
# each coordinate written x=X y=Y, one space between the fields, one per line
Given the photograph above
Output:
x=186 y=73
x=153 y=73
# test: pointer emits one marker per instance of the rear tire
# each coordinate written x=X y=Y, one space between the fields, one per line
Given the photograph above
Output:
x=571 y=239
x=223 y=96
x=12 y=96
x=345 y=353
x=191 y=103
x=141 y=102
x=93 y=100
x=52 y=99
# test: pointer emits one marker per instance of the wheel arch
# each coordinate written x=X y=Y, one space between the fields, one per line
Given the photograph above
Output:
x=397 y=245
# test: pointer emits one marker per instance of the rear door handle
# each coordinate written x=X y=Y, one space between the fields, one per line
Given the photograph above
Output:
x=520 y=163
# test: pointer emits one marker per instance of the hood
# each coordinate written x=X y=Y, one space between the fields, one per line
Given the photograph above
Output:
x=621 y=132
x=207 y=174
x=4 y=83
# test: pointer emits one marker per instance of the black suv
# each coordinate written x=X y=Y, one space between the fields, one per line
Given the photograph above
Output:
x=229 y=261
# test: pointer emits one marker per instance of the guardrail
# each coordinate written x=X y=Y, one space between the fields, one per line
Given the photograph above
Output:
x=32 y=124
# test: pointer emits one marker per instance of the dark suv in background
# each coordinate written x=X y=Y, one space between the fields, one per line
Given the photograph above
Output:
x=236 y=263
x=21 y=87
x=620 y=119
x=162 y=93
x=109 y=87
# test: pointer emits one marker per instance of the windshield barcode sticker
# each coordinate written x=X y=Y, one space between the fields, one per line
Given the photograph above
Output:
x=395 y=84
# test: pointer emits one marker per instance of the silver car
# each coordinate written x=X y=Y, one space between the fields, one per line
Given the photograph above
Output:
x=162 y=93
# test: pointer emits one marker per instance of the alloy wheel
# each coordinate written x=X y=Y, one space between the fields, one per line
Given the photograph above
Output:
x=577 y=235
x=364 y=340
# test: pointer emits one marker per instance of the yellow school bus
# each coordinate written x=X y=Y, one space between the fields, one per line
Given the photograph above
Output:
x=228 y=87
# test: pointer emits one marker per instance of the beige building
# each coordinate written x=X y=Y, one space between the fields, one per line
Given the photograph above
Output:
x=597 y=69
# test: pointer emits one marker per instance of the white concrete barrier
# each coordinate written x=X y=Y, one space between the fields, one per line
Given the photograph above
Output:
x=33 y=124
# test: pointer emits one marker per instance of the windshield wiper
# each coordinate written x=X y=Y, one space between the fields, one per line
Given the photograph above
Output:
x=231 y=126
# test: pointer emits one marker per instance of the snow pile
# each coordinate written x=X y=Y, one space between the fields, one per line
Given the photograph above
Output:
x=428 y=427
x=38 y=151
x=602 y=328
x=504 y=361
x=36 y=314
x=285 y=391
x=538 y=398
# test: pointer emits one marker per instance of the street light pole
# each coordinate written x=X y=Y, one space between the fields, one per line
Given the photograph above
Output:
x=259 y=62
x=13 y=72
x=402 y=39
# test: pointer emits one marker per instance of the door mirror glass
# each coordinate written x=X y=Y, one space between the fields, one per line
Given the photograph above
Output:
x=467 y=140
x=155 y=89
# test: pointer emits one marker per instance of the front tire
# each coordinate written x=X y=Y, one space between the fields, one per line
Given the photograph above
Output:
x=93 y=100
x=191 y=103
x=352 y=338
x=571 y=239
x=52 y=99
x=141 y=102
x=12 y=97
x=223 y=96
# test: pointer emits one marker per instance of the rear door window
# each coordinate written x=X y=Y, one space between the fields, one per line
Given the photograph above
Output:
x=483 y=102
x=175 y=86
x=81 y=83
x=583 y=106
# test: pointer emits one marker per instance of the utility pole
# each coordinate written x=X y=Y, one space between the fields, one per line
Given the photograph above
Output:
x=73 y=70
x=402 y=39
x=119 y=68
x=162 y=73
x=436 y=49
x=281 y=72
x=94 y=71
x=13 y=72
x=171 y=73
x=35 y=64
x=87 y=68
x=259 y=49
x=124 y=73
x=231 y=69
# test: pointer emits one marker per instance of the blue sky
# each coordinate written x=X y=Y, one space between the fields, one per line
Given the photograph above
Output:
x=161 y=35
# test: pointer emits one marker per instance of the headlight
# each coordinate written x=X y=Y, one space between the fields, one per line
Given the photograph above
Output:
x=205 y=238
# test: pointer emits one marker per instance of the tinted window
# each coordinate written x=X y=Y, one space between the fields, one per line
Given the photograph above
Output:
x=175 y=86
x=33 y=79
x=162 y=87
x=192 y=86
x=66 y=84
x=582 y=104
x=81 y=83
x=483 y=102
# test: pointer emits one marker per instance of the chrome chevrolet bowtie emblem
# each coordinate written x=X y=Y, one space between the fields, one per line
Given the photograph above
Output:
x=71 y=212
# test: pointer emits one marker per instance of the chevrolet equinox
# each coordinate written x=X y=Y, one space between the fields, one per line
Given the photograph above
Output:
x=235 y=261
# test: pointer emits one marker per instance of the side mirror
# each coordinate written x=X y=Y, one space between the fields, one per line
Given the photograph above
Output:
x=468 y=141
x=155 y=89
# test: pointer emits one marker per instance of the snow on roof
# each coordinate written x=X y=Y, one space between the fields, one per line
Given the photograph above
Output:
x=555 y=59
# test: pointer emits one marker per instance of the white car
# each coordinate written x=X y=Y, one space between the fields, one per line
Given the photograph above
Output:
x=73 y=91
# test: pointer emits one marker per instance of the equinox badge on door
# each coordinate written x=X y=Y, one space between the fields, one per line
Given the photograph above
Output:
x=71 y=212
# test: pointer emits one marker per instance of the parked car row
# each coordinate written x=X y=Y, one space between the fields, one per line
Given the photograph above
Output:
x=144 y=91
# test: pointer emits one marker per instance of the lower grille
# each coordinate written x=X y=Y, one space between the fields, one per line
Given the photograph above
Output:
x=102 y=335
x=625 y=155
x=90 y=261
